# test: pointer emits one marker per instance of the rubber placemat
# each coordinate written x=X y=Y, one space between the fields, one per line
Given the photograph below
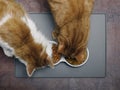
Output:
x=94 y=67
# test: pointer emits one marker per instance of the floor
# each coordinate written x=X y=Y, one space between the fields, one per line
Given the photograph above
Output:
x=111 y=8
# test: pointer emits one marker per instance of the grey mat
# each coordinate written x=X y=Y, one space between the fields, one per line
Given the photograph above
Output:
x=95 y=66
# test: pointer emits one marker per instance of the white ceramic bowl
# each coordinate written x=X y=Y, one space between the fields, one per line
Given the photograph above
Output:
x=65 y=61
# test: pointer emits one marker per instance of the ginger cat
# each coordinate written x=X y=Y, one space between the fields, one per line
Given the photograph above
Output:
x=19 y=37
x=72 y=19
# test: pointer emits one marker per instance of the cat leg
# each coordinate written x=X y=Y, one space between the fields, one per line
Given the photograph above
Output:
x=8 y=52
x=6 y=48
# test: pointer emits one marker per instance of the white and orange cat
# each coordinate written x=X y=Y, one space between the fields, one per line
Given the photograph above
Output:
x=19 y=37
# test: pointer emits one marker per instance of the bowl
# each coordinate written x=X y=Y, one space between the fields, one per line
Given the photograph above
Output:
x=63 y=60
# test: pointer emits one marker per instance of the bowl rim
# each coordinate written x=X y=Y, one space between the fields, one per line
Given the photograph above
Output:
x=62 y=59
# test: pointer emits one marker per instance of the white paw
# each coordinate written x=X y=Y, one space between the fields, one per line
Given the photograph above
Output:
x=8 y=52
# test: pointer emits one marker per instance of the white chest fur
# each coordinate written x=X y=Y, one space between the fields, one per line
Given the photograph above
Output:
x=9 y=51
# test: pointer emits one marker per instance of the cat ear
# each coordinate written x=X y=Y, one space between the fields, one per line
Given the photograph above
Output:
x=61 y=48
x=30 y=69
x=80 y=57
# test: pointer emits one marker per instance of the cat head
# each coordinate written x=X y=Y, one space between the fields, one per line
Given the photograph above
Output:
x=34 y=58
x=32 y=53
x=39 y=63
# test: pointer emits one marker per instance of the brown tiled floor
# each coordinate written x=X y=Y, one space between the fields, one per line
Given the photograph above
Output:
x=110 y=82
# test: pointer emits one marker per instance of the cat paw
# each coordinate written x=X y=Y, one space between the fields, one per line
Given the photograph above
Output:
x=8 y=53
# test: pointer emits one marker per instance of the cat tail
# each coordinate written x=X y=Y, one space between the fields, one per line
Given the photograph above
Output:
x=30 y=69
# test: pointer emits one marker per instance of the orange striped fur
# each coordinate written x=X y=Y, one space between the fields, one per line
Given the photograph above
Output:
x=72 y=26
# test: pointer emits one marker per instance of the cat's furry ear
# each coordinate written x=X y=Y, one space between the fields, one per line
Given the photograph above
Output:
x=80 y=57
x=61 y=48
x=30 y=69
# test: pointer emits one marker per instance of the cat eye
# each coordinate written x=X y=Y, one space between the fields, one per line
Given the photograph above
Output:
x=68 y=61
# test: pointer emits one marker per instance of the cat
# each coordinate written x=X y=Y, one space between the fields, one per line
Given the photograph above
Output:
x=72 y=19
x=20 y=38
